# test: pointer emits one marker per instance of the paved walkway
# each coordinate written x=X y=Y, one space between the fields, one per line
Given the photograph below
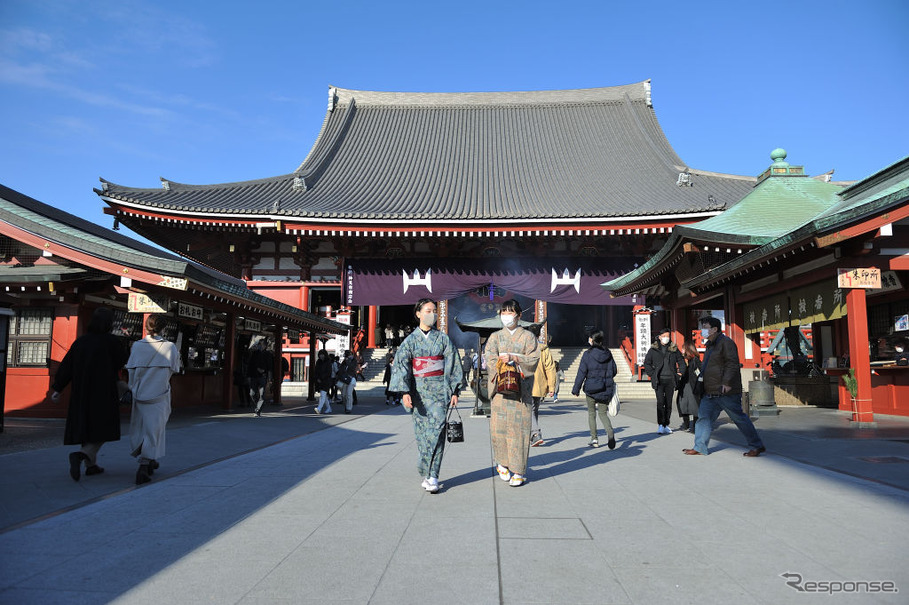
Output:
x=299 y=508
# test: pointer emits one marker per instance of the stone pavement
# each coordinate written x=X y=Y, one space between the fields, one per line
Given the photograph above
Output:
x=299 y=508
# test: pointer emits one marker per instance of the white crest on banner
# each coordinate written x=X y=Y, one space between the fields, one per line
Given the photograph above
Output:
x=416 y=280
x=566 y=280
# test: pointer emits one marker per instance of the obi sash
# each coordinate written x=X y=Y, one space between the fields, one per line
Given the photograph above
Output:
x=424 y=367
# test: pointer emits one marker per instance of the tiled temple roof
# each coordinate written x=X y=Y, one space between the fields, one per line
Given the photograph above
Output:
x=65 y=233
x=387 y=157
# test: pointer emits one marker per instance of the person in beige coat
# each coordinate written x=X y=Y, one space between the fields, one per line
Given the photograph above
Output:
x=544 y=385
x=152 y=361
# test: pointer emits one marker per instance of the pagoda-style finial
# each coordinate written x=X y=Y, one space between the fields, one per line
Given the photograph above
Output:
x=778 y=156
x=780 y=167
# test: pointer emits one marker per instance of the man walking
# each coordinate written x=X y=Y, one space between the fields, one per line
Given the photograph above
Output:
x=720 y=383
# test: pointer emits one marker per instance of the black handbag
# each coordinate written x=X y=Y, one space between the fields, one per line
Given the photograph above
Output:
x=124 y=393
x=454 y=429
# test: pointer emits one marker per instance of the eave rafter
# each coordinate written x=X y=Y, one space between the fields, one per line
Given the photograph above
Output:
x=714 y=279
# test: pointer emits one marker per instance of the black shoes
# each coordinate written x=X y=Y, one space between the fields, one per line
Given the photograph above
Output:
x=611 y=443
x=143 y=475
x=75 y=465
x=93 y=470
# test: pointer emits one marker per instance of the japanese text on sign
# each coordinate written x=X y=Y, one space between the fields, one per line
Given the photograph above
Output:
x=190 y=311
x=867 y=277
x=144 y=303
x=642 y=336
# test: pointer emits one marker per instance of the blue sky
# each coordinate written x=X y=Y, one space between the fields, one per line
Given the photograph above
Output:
x=206 y=92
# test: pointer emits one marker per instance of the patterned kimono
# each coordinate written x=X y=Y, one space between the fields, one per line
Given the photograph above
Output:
x=510 y=420
x=428 y=366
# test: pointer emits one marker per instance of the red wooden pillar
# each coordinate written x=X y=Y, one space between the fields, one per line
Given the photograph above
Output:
x=859 y=356
x=676 y=319
x=371 y=329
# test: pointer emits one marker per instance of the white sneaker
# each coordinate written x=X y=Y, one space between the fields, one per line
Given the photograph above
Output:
x=504 y=473
x=425 y=483
x=660 y=430
x=432 y=485
x=593 y=443
x=517 y=480
x=667 y=430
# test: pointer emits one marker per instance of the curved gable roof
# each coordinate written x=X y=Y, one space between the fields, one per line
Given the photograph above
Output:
x=393 y=156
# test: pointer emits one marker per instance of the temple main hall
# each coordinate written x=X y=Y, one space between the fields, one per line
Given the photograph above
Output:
x=465 y=197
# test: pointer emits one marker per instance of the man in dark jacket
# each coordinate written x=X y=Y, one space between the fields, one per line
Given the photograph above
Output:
x=721 y=385
x=259 y=365
x=664 y=364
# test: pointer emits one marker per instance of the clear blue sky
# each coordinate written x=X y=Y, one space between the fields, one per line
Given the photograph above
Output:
x=211 y=92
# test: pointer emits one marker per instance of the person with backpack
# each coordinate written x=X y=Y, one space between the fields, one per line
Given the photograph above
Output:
x=346 y=380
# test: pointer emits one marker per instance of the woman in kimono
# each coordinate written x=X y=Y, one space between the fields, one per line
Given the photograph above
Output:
x=427 y=370
x=510 y=420
x=152 y=361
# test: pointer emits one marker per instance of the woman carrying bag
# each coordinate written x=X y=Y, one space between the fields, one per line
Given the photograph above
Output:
x=152 y=361
x=687 y=401
x=512 y=356
x=427 y=371
x=596 y=375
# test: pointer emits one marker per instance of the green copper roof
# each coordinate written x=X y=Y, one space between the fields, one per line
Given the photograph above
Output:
x=780 y=203
x=869 y=197
x=776 y=206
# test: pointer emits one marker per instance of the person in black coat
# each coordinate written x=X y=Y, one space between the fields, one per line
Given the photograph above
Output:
x=92 y=365
x=687 y=400
x=323 y=381
x=596 y=375
x=664 y=365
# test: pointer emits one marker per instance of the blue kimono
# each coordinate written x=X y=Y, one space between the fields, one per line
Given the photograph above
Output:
x=428 y=366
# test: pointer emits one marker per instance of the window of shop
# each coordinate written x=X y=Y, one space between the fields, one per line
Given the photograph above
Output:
x=30 y=338
x=299 y=368
x=885 y=327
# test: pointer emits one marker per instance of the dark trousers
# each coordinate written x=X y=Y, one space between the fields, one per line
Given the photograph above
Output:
x=664 y=392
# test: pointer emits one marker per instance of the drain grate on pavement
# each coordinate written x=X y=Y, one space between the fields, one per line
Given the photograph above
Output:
x=884 y=459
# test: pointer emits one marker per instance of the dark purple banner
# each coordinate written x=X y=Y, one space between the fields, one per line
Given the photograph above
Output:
x=405 y=281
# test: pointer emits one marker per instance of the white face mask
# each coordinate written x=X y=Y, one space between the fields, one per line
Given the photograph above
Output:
x=507 y=320
x=429 y=319
x=705 y=333
x=899 y=349
x=664 y=340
